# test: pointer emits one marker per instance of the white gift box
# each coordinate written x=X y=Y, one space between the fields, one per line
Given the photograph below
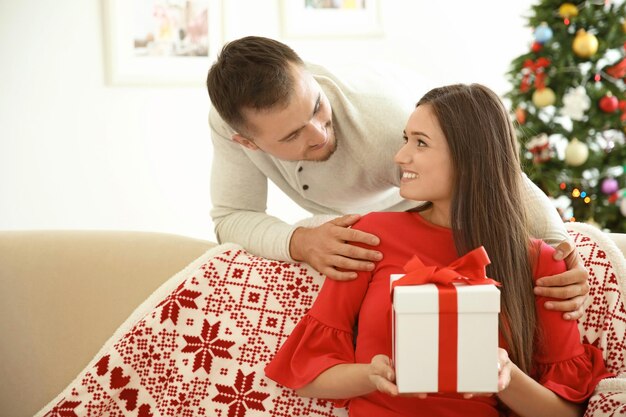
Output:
x=417 y=347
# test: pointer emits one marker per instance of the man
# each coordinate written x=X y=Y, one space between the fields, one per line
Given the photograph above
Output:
x=328 y=143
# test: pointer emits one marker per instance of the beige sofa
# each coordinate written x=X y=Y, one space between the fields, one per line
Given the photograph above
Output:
x=62 y=294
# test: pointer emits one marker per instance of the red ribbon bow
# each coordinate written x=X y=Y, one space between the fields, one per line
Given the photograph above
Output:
x=469 y=269
x=618 y=70
x=536 y=68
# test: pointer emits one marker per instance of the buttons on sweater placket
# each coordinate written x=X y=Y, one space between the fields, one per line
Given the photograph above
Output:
x=305 y=186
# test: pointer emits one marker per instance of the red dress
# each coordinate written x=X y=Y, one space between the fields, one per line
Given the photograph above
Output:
x=324 y=337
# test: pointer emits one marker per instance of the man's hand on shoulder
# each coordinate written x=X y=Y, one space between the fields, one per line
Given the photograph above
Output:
x=327 y=248
x=571 y=286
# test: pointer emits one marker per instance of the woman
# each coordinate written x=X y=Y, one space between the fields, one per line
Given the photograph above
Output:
x=460 y=156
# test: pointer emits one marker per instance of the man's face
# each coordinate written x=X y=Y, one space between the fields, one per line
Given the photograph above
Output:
x=302 y=131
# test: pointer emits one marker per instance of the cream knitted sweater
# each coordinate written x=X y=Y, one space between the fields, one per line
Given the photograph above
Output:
x=370 y=109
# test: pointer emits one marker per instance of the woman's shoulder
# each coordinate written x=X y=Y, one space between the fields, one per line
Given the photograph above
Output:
x=385 y=221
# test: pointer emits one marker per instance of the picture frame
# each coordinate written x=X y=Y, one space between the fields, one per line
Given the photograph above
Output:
x=160 y=42
x=330 y=18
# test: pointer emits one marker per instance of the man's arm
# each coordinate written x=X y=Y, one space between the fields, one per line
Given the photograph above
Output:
x=546 y=224
x=544 y=221
x=239 y=198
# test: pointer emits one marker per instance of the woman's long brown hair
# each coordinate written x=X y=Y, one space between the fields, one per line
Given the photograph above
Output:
x=486 y=207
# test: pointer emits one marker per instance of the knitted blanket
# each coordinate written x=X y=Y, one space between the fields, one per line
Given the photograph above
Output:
x=604 y=322
x=198 y=345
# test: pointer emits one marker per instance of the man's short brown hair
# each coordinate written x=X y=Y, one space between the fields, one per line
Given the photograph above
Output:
x=251 y=72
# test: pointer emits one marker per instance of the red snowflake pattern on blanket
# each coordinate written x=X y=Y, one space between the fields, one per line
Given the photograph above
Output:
x=201 y=350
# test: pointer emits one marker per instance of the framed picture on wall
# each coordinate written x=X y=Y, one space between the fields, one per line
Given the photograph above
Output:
x=330 y=18
x=160 y=42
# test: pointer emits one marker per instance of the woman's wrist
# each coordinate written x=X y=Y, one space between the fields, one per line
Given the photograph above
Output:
x=515 y=376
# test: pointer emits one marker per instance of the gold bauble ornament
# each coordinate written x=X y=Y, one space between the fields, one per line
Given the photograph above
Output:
x=543 y=97
x=624 y=26
x=585 y=44
x=568 y=10
x=576 y=153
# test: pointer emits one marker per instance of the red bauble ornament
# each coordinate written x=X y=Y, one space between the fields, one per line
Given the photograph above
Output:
x=520 y=115
x=536 y=47
x=609 y=103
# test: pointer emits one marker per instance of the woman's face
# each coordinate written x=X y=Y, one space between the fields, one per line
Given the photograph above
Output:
x=425 y=159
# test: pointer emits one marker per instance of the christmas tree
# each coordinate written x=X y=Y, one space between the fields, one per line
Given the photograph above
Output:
x=569 y=103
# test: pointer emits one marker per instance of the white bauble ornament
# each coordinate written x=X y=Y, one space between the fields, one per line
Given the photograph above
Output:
x=622 y=207
x=576 y=153
x=575 y=103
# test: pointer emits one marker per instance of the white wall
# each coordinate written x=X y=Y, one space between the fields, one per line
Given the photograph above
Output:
x=76 y=153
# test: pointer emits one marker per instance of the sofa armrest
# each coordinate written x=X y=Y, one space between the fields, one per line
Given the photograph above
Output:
x=92 y=280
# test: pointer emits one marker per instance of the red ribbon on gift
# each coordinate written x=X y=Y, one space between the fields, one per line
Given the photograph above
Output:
x=469 y=269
